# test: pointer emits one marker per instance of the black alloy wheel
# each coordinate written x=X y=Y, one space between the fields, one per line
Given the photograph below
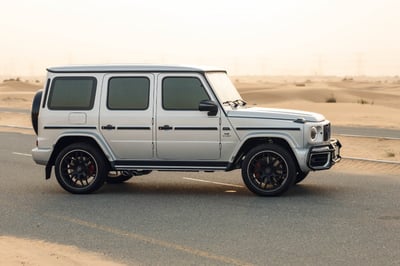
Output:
x=80 y=168
x=268 y=170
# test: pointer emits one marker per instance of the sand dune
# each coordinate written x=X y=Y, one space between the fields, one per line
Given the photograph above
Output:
x=369 y=102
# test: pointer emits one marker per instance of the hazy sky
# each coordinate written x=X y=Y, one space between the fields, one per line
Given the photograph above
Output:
x=272 y=37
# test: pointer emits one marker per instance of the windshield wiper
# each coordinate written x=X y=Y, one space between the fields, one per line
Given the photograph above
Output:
x=235 y=103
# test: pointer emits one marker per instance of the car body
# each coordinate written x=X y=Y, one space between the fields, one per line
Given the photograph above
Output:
x=131 y=119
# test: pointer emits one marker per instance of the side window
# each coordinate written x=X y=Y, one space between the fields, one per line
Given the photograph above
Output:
x=72 y=93
x=182 y=93
x=128 y=93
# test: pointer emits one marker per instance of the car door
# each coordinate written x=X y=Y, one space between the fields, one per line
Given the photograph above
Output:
x=126 y=117
x=183 y=133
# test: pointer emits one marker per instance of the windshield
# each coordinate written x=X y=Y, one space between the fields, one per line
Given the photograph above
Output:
x=223 y=87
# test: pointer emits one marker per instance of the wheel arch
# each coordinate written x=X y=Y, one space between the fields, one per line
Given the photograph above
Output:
x=250 y=143
x=69 y=139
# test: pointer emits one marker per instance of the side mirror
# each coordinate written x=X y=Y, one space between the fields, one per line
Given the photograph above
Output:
x=208 y=106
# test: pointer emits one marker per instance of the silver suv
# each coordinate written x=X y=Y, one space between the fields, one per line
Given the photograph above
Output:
x=98 y=124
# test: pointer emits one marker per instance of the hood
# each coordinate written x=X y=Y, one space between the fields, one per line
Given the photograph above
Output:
x=276 y=114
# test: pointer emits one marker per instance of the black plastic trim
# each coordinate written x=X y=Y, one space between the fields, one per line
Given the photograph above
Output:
x=197 y=128
x=69 y=127
x=177 y=164
x=270 y=128
x=46 y=92
x=266 y=118
x=133 y=128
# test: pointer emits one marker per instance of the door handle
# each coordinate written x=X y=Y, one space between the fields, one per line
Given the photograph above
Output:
x=166 y=127
x=108 y=127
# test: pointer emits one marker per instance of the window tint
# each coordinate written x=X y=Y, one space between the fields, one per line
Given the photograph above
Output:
x=72 y=93
x=128 y=93
x=183 y=93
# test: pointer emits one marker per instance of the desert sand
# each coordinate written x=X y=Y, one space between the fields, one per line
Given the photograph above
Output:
x=18 y=251
x=360 y=101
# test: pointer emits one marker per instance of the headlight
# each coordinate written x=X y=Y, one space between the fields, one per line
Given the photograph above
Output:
x=313 y=133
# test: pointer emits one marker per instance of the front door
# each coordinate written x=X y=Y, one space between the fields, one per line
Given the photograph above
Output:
x=126 y=117
x=183 y=133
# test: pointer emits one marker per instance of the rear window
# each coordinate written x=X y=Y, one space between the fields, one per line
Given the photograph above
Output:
x=72 y=93
x=128 y=93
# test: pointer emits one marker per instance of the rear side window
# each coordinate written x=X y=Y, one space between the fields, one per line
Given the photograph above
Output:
x=128 y=93
x=182 y=93
x=72 y=93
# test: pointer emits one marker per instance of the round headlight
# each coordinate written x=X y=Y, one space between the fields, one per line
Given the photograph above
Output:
x=313 y=133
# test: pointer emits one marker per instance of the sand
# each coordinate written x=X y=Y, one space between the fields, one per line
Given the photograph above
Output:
x=361 y=101
x=18 y=251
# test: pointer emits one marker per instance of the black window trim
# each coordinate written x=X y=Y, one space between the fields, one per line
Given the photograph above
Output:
x=92 y=96
x=46 y=91
x=162 y=92
x=128 y=109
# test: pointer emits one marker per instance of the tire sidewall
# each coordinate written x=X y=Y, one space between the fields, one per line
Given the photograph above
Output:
x=100 y=165
x=118 y=179
x=286 y=156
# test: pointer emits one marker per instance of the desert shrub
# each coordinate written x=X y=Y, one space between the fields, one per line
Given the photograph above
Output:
x=348 y=79
x=300 y=84
x=390 y=154
x=363 y=101
x=331 y=99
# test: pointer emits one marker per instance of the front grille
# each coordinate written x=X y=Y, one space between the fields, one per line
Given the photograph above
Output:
x=327 y=132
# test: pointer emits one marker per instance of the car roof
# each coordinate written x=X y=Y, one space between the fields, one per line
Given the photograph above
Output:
x=132 y=68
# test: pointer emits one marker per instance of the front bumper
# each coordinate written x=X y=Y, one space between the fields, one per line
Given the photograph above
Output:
x=324 y=157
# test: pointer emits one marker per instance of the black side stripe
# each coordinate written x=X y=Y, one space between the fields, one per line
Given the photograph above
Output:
x=133 y=128
x=270 y=128
x=68 y=127
x=197 y=128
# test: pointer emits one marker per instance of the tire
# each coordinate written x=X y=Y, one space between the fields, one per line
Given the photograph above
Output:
x=118 y=177
x=268 y=170
x=301 y=176
x=35 y=110
x=81 y=168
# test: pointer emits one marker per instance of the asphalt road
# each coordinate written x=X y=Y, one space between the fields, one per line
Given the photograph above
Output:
x=367 y=132
x=333 y=218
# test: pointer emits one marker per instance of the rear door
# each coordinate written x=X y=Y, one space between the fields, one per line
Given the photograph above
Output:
x=126 y=117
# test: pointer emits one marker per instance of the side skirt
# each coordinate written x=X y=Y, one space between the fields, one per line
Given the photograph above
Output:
x=170 y=165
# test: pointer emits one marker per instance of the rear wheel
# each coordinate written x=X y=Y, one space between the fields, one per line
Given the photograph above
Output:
x=80 y=168
x=117 y=177
x=268 y=170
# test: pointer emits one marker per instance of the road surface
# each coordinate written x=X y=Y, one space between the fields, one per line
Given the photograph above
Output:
x=335 y=217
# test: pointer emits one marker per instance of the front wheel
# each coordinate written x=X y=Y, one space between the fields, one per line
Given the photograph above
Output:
x=301 y=176
x=80 y=168
x=268 y=170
